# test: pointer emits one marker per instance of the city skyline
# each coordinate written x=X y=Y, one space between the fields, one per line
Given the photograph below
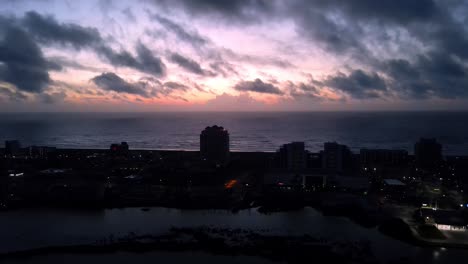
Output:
x=204 y=55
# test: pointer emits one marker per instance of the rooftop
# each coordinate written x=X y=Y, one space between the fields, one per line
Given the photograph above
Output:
x=394 y=182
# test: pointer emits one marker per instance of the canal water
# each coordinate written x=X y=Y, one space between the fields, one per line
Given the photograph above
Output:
x=33 y=228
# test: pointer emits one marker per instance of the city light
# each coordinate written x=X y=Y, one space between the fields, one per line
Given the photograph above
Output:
x=230 y=184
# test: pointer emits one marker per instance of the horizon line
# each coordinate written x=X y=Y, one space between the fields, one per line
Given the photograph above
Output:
x=246 y=111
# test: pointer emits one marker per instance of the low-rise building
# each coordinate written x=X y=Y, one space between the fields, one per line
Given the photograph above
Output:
x=394 y=189
x=448 y=220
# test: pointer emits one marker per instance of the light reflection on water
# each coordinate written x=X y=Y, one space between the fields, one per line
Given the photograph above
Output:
x=30 y=228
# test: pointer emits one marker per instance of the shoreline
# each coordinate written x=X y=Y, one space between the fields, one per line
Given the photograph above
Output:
x=218 y=241
x=392 y=227
x=195 y=151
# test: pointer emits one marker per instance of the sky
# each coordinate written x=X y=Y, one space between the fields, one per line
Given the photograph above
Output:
x=238 y=55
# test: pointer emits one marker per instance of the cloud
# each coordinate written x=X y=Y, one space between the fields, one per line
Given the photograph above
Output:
x=206 y=48
x=333 y=36
x=430 y=75
x=433 y=65
x=64 y=62
x=168 y=88
x=11 y=94
x=146 y=86
x=399 y=49
x=303 y=90
x=112 y=82
x=175 y=86
x=188 y=64
x=148 y=62
x=255 y=11
x=48 y=31
x=118 y=59
x=358 y=84
x=52 y=98
x=258 y=60
x=396 y=11
x=234 y=10
x=22 y=61
x=227 y=102
x=128 y=13
x=224 y=68
x=257 y=86
x=145 y=61
x=430 y=37
x=183 y=34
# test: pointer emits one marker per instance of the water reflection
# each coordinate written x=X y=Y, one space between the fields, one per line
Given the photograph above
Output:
x=24 y=229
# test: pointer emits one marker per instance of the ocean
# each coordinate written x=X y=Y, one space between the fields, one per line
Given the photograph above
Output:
x=249 y=131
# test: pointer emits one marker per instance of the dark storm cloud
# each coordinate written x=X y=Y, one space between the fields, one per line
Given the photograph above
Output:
x=236 y=10
x=47 y=30
x=148 y=62
x=401 y=11
x=438 y=71
x=112 y=82
x=401 y=69
x=145 y=60
x=335 y=24
x=22 y=61
x=433 y=74
x=450 y=37
x=54 y=65
x=334 y=37
x=118 y=58
x=224 y=7
x=358 y=84
x=343 y=27
x=398 y=11
x=257 y=86
x=359 y=31
x=180 y=31
x=188 y=64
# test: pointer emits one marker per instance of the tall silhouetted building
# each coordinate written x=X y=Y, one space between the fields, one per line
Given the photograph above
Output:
x=40 y=151
x=12 y=147
x=214 y=144
x=292 y=156
x=336 y=157
x=427 y=152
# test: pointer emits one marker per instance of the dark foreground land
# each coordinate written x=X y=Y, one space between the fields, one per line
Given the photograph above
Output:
x=227 y=242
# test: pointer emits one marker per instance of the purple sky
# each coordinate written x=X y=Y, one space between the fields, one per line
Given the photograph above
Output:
x=238 y=55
